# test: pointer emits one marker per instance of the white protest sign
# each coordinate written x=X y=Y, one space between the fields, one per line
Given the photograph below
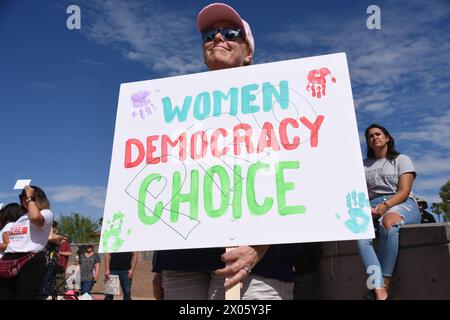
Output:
x=20 y=184
x=260 y=154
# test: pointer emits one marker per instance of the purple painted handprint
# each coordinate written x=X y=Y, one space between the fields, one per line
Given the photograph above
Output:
x=142 y=104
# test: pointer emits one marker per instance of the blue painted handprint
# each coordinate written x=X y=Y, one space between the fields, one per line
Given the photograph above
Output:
x=359 y=219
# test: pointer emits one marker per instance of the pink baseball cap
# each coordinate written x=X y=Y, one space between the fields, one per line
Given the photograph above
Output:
x=221 y=11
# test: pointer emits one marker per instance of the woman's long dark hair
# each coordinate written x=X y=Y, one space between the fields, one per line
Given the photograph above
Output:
x=10 y=213
x=391 y=152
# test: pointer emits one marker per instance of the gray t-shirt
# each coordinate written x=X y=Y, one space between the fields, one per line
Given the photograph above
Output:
x=382 y=174
x=87 y=266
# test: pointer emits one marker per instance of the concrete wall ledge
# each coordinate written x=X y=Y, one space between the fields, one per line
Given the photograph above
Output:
x=422 y=270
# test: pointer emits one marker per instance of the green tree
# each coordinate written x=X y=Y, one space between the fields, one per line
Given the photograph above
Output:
x=79 y=228
x=443 y=207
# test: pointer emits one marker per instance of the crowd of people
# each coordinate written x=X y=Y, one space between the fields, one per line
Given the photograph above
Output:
x=288 y=271
x=34 y=256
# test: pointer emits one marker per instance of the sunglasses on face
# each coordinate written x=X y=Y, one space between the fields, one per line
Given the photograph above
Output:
x=229 y=34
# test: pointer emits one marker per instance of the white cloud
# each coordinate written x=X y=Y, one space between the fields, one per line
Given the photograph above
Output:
x=400 y=77
x=83 y=196
x=428 y=188
x=429 y=196
x=134 y=56
x=376 y=106
x=433 y=164
x=87 y=195
x=163 y=40
x=433 y=171
x=430 y=184
x=389 y=68
x=434 y=129
x=5 y=195
x=363 y=101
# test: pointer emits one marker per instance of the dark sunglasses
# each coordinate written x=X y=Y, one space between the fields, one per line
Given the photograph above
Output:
x=229 y=34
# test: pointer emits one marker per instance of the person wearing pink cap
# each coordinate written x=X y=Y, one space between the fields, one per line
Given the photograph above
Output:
x=199 y=274
x=227 y=38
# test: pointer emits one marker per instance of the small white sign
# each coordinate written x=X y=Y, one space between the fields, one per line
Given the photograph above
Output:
x=20 y=184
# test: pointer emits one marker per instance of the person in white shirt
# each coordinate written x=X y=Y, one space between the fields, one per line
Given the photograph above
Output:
x=29 y=234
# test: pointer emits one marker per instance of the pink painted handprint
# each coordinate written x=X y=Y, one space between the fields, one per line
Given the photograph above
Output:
x=317 y=82
x=142 y=105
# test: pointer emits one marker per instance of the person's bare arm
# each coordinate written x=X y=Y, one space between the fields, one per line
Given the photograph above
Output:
x=54 y=237
x=35 y=215
x=405 y=182
x=134 y=260
x=33 y=211
x=97 y=271
x=5 y=239
x=107 y=261
x=158 y=290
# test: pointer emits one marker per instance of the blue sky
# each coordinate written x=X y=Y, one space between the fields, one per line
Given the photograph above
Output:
x=59 y=87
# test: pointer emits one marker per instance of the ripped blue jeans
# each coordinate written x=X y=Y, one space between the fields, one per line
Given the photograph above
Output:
x=381 y=264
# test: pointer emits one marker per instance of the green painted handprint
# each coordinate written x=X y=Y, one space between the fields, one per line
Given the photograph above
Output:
x=359 y=220
x=113 y=231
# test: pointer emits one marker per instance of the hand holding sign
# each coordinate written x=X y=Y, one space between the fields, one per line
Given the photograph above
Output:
x=29 y=191
x=240 y=261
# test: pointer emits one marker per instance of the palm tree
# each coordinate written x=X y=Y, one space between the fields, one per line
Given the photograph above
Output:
x=443 y=207
x=79 y=228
